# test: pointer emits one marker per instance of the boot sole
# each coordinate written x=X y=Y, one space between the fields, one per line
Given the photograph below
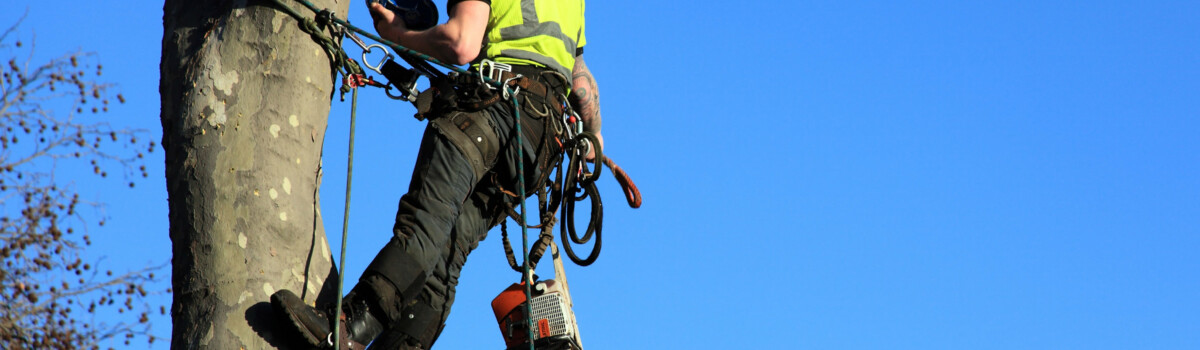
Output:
x=284 y=302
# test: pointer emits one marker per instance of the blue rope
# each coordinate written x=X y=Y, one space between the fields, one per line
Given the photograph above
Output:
x=524 y=227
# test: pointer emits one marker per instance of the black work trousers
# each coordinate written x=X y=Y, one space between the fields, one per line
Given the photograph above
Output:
x=447 y=211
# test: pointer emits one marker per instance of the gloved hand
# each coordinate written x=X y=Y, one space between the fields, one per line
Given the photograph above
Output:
x=414 y=14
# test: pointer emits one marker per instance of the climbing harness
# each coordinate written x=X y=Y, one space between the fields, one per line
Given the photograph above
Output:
x=572 y=182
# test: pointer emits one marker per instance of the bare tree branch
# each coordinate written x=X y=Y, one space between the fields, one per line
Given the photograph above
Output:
x=49 y=295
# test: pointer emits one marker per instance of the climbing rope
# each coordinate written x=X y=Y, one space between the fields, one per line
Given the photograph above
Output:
x=345 y=222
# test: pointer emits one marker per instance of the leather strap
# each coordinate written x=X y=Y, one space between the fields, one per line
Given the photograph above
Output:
x=528 y=83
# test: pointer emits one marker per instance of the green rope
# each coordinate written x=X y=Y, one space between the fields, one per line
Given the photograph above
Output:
x=337 y=54
x=337 y=323
x=339 y=62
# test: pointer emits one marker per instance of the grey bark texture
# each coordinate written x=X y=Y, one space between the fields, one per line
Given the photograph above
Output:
x=245 y=101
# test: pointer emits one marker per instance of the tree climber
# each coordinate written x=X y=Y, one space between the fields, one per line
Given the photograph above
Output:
x=466 y=169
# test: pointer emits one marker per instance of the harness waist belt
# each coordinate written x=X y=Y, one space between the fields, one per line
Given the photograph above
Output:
x=530 y=82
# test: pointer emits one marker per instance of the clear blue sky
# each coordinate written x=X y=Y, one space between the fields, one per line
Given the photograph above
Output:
x=817 y=174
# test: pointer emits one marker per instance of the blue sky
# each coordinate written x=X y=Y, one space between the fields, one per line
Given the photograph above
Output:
x=817 y=175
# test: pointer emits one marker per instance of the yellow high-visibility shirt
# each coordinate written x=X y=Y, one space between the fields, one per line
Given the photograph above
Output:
x=543 y=33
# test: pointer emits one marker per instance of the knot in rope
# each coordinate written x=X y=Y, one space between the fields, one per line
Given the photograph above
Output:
x=339 y=61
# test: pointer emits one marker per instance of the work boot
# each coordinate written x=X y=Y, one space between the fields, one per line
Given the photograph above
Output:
x=358 y=326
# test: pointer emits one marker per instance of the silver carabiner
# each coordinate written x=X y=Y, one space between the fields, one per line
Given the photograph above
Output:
x=367 y=49
x=495 y=71
x=504 y=88
x=357 y=40
x=587 y=148
x=572 y=128
x=377 y=68
x=411 y=93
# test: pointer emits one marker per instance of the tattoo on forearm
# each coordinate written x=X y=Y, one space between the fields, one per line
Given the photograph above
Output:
x=585 y=96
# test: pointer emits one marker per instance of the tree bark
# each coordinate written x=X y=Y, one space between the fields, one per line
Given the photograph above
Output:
x=245 y=101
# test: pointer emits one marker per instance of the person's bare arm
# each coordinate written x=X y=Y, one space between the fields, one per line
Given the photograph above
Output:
x=585 y=98
x=456 y=42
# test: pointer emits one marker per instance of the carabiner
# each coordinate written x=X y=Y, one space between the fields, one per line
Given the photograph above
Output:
x=410 y=95
x=377 y=68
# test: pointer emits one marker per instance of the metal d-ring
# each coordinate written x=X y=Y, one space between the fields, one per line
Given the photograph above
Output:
x=377 y=68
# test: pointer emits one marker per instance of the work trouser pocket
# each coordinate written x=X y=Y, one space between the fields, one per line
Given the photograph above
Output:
x=474 y=136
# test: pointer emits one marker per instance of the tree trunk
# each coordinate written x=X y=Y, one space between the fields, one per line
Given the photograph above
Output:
x=245 y=100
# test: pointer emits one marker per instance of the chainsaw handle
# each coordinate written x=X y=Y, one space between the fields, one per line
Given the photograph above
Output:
x=632 y=194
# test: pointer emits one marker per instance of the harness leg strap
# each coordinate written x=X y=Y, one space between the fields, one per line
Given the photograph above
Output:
x=474 y=136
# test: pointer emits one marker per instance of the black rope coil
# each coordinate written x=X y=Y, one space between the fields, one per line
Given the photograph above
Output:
x=580 y=185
